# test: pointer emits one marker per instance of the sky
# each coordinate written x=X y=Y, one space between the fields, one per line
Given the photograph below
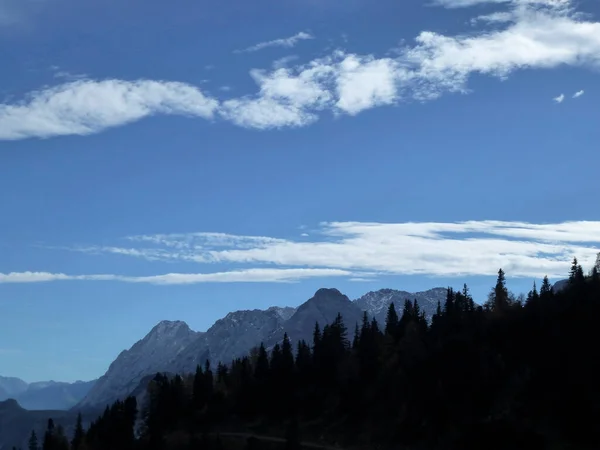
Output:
x=177 y=161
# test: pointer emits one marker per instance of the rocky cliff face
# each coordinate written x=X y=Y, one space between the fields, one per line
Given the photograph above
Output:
x=232 y=337
x=323 y=308
x=150 y=355
x=377 y=303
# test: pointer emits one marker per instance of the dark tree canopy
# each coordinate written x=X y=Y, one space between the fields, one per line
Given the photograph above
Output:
x=509 y=375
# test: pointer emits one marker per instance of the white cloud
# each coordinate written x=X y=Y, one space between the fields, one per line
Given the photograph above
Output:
x=285 y=99
x=522 y=34
x=66 y=75
x=468 y=3
x=436 y=249
x=559 y=99
x=284 y=62
x=578 y=94
x=363 y=83
x=284 y=42
x=259 y=275
x=42 y=277
x=86 y=107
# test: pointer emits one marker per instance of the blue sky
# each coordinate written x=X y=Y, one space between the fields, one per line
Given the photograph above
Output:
x=163 y=161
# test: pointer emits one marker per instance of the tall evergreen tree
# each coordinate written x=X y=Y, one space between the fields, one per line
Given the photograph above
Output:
x=33 y=441
x=576 y=276
x=287 y=359
x=261 y=371
x=78 y=435
x=391 y=321
x=48 y=443
x=546 y=288
x=500 y=293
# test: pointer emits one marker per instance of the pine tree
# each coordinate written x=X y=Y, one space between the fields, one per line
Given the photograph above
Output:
x=533 y=296
x=33 y=441
x=500 y=293
x=61 y=440
x=78 y=435
x=317 y=337
x=576 y=276
x=546 y=288
x=261 y=371
x=198 y=394
x=391 y=321
x=449 y=303
x=287 y=359
x=356 y=337
x=48 y=443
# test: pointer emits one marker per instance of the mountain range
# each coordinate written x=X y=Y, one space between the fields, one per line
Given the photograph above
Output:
x=171 y=346
x=44 y=395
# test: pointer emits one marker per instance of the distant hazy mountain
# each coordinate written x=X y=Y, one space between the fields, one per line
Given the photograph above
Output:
x=173 y=347
x=44 y=394
x=16 y=423
x=10 y=387
x=54 y=395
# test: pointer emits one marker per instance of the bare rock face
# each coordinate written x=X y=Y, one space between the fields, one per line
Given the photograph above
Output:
x=150 y=355
x=323 y=308
x=377 y=303
x=231 y=337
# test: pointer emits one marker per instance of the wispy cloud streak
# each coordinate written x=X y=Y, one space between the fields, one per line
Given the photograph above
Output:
x=259 y=275
x=434 y=249
x=288 y=42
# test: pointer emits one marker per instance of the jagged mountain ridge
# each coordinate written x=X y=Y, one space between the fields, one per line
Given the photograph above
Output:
x=44 y=395
x=377 y=303
x=237 y=333
x=10 y=387
x=151 y=354
x=231 y=337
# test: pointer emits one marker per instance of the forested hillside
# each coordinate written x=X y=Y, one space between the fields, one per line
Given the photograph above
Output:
x=503 y=375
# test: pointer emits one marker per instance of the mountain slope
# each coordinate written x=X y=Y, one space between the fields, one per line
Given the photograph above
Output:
x=377 y=303
x=54 y=395
x=151 y=354
x=231 y=337
x=173 y=347
x=10 y=387
x=16 y=423
x=323 y=307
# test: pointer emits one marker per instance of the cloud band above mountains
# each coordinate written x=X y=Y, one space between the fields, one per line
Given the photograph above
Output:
x=526 y=34
x=357 y=251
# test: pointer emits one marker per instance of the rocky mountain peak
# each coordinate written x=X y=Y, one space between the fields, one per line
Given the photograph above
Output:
x=376 y=303
x=328 y=293
x=284 y=312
